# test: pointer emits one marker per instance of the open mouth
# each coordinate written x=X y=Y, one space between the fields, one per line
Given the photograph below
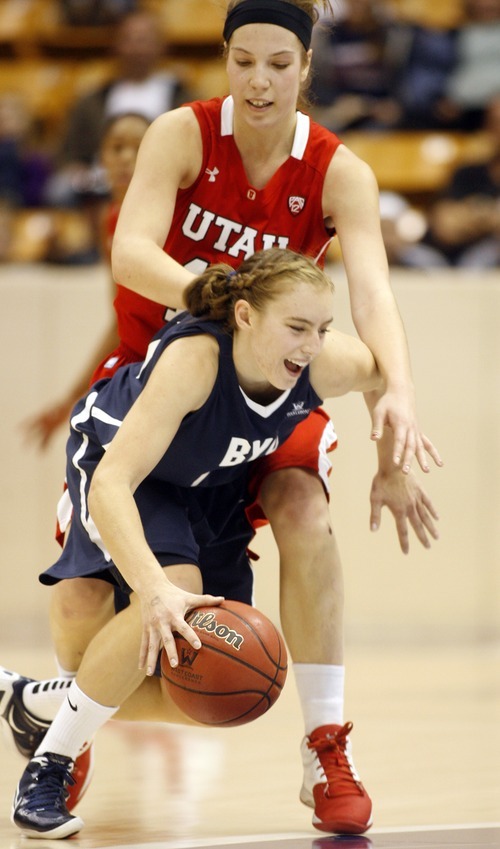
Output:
x=293 y=368
x=259 y=104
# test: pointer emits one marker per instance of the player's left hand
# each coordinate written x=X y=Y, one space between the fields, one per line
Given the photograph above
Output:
x=409 y=504
x=395 y=411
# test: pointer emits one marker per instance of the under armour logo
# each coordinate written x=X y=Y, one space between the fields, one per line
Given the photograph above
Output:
x=212 y=172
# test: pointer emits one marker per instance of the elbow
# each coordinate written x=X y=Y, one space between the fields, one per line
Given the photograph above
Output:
x=118 y=261
x=379 y=382
x=376 y=378
x=373 y=378
x=375 y=385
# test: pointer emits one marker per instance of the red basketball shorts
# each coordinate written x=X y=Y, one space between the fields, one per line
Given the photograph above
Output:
x=306 y=448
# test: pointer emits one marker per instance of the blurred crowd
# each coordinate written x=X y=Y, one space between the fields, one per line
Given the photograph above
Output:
x=68 y=174
x=374 y=72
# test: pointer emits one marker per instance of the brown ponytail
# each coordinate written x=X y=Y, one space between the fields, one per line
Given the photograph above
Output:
x=259 y=279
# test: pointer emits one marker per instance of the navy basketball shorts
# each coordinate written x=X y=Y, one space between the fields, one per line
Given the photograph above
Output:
x=204 y=526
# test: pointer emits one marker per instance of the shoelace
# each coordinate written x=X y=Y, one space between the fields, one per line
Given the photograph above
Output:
x=331 y=750
x=50 y=788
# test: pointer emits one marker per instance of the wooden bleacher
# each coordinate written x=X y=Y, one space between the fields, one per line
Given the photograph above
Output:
x=191 y=23
x=41 y=234
x=35 y=27
x=52 y=64
x=416 y=163
x=50 y=86
x=439 y=14
x=33 y=30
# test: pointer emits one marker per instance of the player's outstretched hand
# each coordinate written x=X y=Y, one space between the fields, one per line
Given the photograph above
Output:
x=163 y=616
x=409 y=504
x=39 y=429
x=394 y=411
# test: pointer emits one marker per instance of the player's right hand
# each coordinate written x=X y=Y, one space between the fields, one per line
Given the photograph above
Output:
x=163 y=616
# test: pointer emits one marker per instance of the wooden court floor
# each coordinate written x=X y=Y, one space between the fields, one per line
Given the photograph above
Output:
x=426 y=743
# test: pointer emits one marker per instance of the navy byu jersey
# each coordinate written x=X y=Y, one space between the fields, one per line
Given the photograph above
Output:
x=212 y=443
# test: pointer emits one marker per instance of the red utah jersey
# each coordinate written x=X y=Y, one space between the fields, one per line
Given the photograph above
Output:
x=221 y=217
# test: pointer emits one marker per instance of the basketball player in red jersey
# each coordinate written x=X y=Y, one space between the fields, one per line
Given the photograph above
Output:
x=217 y=181
x=120 y=142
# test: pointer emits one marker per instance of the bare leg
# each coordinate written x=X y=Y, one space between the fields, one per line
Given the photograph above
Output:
x=109 y=672
x=311 y=604
x=151 y=703
x=311 y=581
x=79 y=609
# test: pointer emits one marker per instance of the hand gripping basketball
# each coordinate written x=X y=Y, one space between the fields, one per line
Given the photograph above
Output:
x=238 y=673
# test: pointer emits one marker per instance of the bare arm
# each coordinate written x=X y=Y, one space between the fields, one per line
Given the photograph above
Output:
x=180 y=382
x=344 y=365
x=41 y=427
x=351 y=202
x=169 y=158
x=458 y=222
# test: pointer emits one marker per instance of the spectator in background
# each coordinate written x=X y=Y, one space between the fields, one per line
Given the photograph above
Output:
x=464 y=222
x=352 y=77
x=120 y=142
x=95 y=12
x=139 y=85
x=373 y=71
x=423 y=59
x=403 y=228
x=24 y=168
x=476 y=76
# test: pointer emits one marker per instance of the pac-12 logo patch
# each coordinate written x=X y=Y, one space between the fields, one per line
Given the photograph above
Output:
x=296 y=204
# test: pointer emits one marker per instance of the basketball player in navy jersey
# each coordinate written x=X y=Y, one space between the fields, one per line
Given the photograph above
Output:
x=220 y=386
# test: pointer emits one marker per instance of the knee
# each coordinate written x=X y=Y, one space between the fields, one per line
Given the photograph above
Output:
x=82 y=598
x=294 y=501
x=185 y=575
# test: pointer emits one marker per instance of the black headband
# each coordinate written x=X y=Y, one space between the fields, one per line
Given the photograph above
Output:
x=270 y=12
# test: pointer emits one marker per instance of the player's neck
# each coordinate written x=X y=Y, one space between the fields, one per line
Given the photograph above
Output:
x=263 y=152
x=250 y=377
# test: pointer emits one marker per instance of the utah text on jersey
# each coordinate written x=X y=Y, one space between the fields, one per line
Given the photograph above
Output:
x=228 y=236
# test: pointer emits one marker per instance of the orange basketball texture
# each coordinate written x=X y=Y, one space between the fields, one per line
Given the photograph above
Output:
x=238 y=673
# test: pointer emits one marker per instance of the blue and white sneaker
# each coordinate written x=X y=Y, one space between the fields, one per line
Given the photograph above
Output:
x=25 y=732
x=39 y=807
x=19 y=726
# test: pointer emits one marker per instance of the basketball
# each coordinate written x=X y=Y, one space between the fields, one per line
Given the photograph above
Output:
x=238 y=673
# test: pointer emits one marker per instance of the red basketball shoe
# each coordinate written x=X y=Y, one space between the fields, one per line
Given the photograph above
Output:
x=83 y=771
x=331 y=785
